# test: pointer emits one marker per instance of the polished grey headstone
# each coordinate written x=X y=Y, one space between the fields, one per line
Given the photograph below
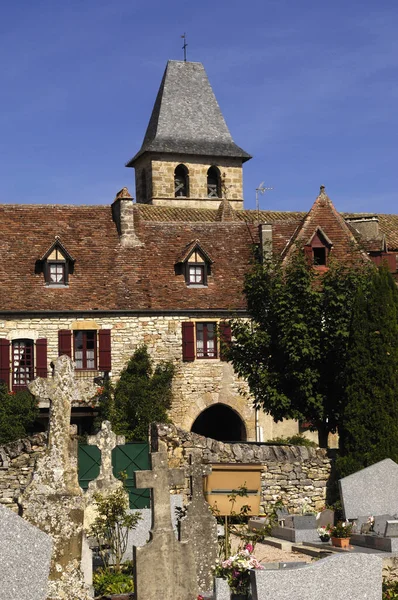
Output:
x=338 y=577
x=25 y=555
x=371 y=491
x=391 y=529
x=379 y=526
x=294 y=535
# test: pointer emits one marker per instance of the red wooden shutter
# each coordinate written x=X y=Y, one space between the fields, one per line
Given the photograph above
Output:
x=5 y=362
x=41 y=357
x=104 y=344
x=225 y=339
x=188 y=342
x=65 y=342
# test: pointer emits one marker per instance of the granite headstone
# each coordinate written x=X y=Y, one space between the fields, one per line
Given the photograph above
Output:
x=338 y=577
x=25 y=555
x=371 y=491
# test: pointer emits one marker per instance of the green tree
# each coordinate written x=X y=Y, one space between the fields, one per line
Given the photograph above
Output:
x=292 y=352
x=141 y=396
x=18 y=412
x=369 y=428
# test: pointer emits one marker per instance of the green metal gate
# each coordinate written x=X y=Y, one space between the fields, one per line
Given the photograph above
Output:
x=128 y=458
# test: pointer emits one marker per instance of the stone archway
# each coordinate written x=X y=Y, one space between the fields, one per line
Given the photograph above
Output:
x=220 y=422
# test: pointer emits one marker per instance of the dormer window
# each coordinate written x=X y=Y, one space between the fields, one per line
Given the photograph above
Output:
x=56 y=265
x=194 y=264
x=213 y=183
x=196 y=269
x=318 y=248
x=181 y=182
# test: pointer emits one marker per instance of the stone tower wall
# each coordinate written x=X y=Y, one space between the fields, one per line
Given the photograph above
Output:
x=160 y=181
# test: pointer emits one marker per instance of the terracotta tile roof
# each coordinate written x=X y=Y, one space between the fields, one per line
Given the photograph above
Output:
x=110 y=277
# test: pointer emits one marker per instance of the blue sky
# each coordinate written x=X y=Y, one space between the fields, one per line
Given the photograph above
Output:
x=309 y=88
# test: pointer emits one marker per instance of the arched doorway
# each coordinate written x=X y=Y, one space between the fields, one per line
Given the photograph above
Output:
x=221 y=423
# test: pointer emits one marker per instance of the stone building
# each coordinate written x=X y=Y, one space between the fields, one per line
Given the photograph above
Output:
x=95 y=282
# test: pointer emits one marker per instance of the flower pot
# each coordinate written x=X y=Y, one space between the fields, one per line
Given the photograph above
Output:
x=325 y=538
x=341 y=542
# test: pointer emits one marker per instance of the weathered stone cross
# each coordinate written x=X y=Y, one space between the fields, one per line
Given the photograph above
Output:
x=160 y=479
x=62 y=389
x=196 y=471
x=106 y=441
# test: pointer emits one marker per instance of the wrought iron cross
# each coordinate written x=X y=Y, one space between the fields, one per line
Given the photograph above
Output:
x=185 y=46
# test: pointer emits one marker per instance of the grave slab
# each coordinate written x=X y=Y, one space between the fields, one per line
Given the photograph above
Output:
x=379 y=526
x=338 y=577
x=375 y=542
x=25 y=555
x=371 y=491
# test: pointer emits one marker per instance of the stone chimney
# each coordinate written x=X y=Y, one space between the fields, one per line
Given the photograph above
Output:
x=123 y=216
x=266 y=239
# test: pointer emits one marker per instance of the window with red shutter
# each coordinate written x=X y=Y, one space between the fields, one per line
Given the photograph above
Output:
x=104 y=355
x=41 y=357
x=188 y=342
x=5 y=362
x=65 y=342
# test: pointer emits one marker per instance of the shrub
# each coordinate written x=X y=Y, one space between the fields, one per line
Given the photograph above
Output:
x=294 y=440
x=18 y=412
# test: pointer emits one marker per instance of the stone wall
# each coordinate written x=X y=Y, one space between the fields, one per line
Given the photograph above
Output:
x=196 y=384
x=295 y=474
x=17 y=461
x=160 y=181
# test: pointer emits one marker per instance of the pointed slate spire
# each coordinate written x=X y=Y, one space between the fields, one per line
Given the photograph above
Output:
x=186 y=118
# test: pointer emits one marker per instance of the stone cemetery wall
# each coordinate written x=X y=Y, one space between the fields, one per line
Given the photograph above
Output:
x=296 y=474
x=17 y=460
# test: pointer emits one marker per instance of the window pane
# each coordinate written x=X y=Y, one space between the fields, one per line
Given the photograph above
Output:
x=57 y=273
x=22 y=356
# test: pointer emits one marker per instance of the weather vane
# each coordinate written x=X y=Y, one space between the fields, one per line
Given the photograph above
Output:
x=185 y=46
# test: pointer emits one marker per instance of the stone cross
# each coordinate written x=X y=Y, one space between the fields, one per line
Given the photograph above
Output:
x=199 y=526
x=163 y=568
x=53 y=501
x=160 y=479
x=62 y=389
x=196 y=471
x=106 y=441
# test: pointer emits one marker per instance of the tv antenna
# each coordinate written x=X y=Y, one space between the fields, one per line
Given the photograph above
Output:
x=184 y=37
x=261 y=190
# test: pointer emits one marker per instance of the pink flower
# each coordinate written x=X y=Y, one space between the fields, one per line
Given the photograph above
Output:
x=249 y=548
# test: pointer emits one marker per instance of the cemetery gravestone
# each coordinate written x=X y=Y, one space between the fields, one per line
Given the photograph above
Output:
x=339 y=577
x=325 y=518
x=163 y=568
x=371 y=491
x=105 y=484
x=25 y=555
x=199 y=526
x=53 y=501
